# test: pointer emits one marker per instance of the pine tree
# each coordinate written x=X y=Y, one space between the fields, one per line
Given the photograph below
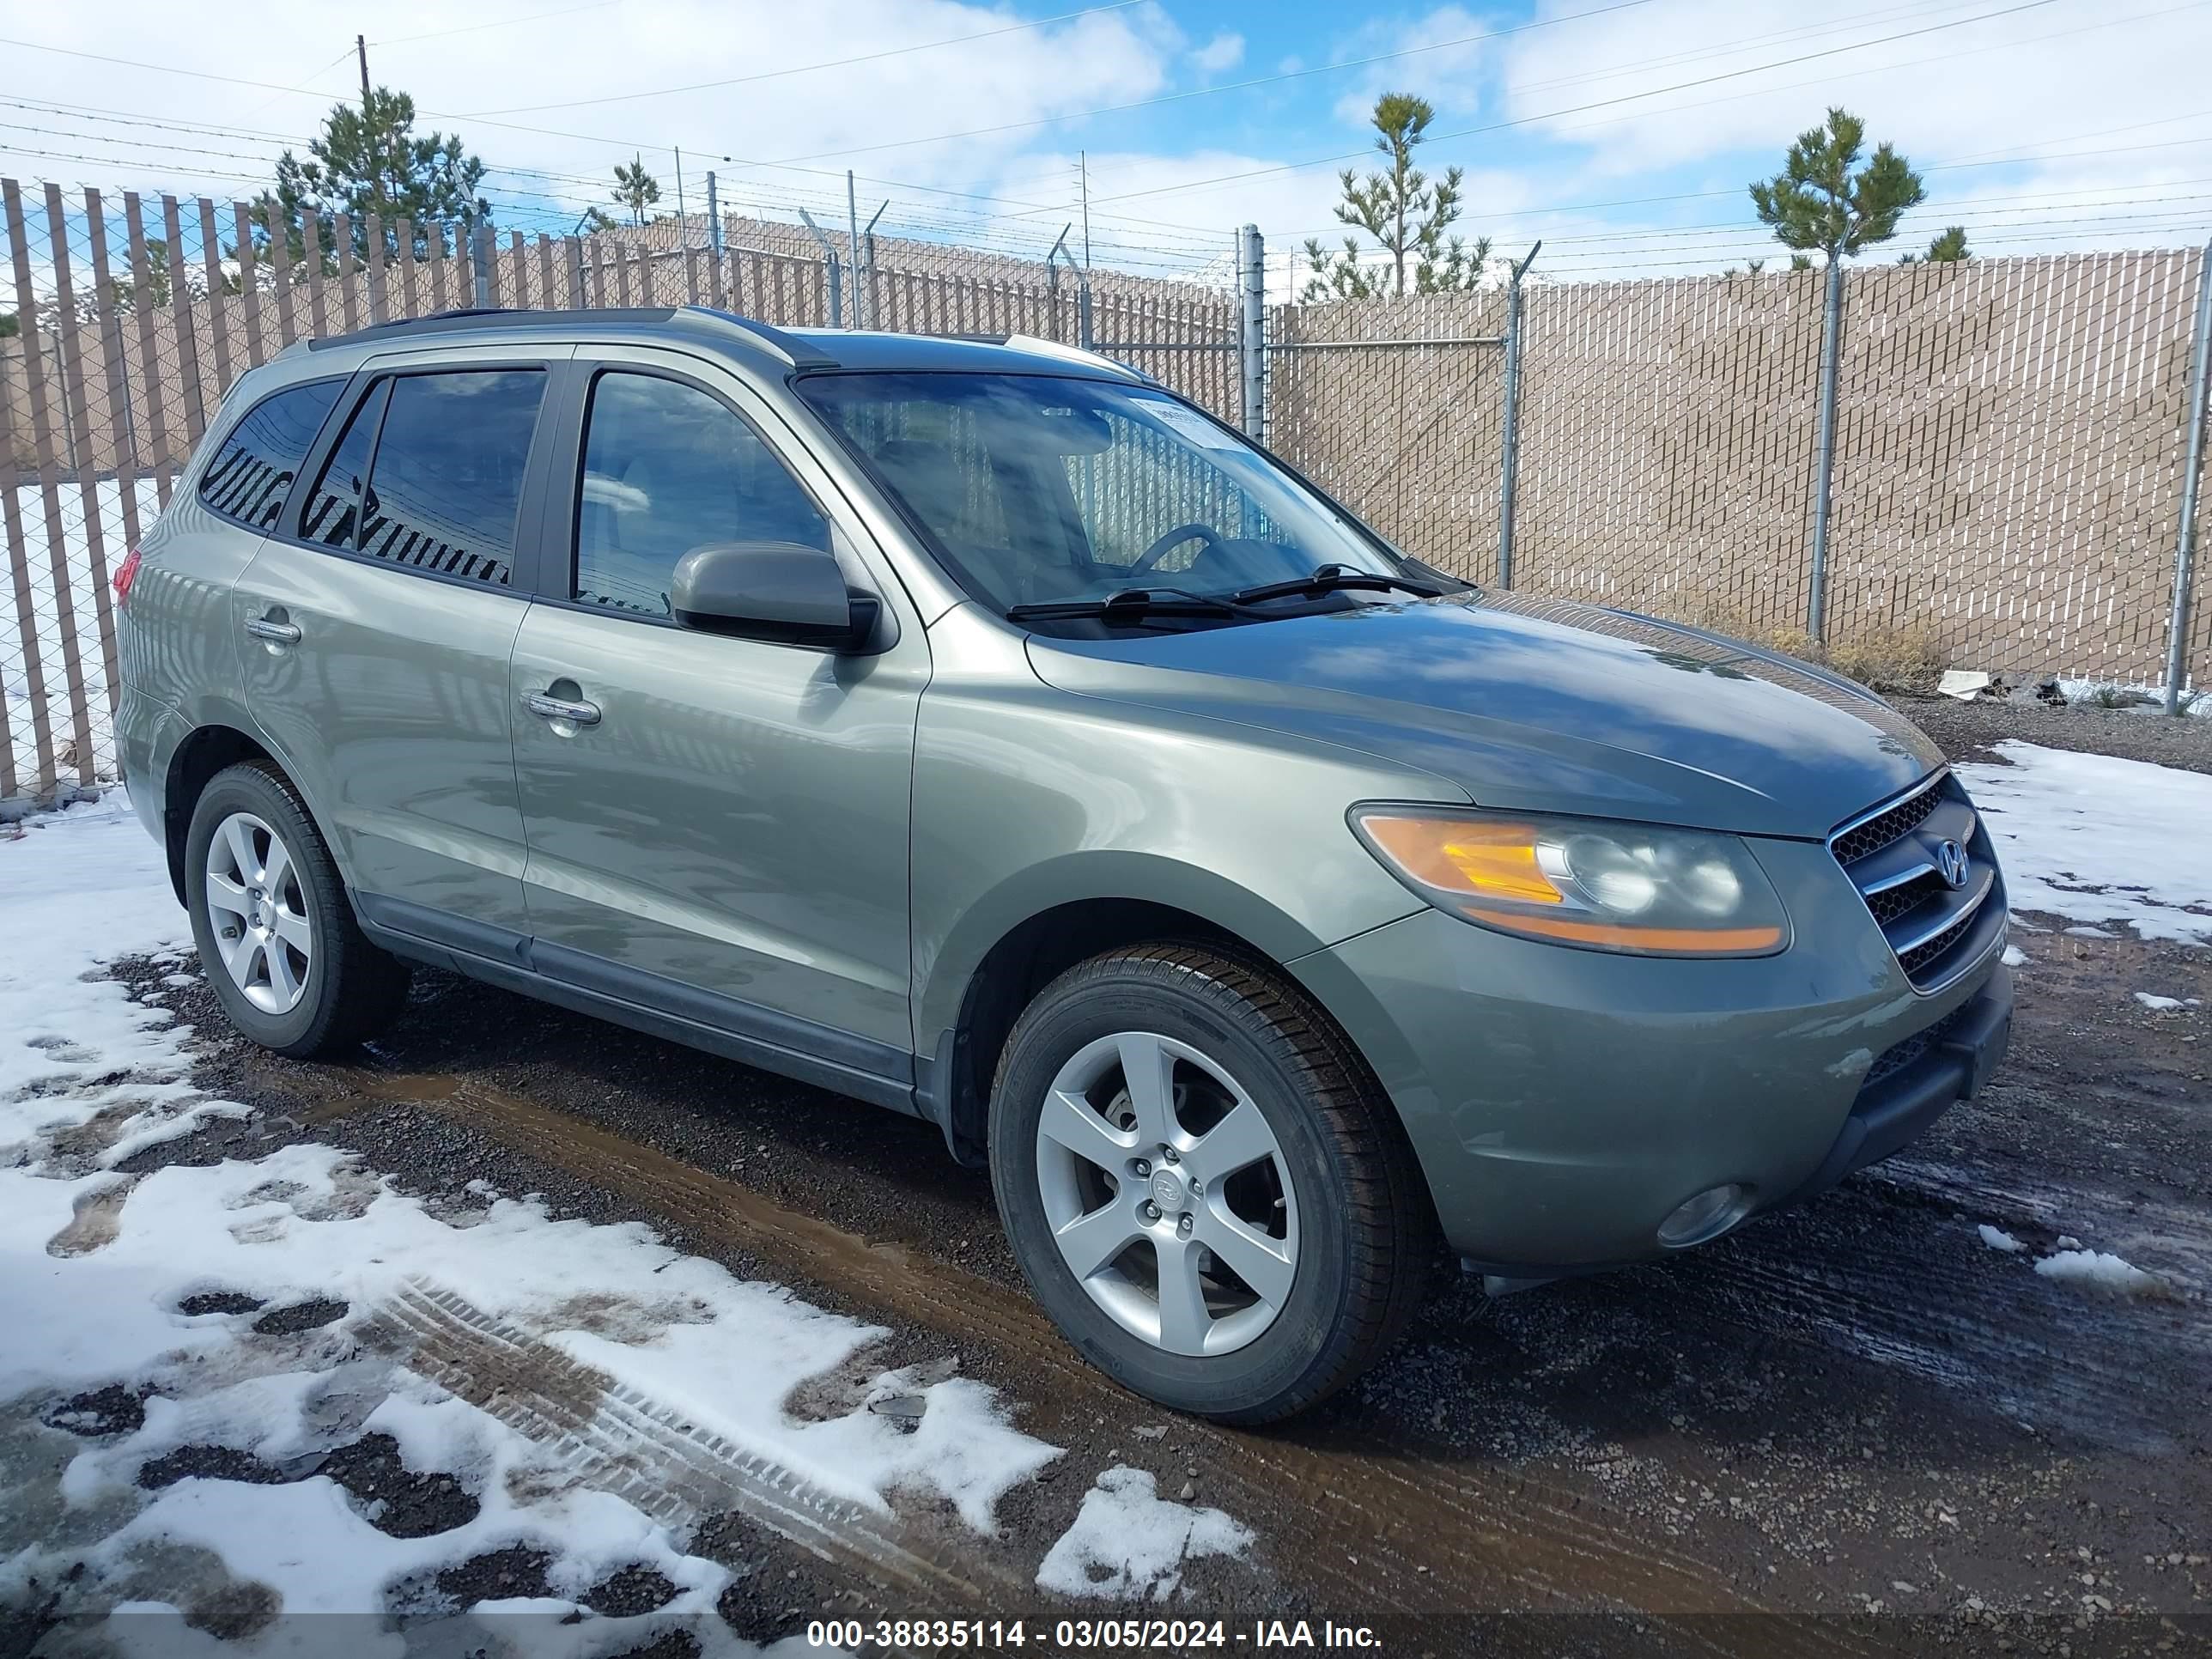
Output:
x=1948 y=248
x=1404 y=210
x=1822 y=200
x=370 y=161
x=635 y=189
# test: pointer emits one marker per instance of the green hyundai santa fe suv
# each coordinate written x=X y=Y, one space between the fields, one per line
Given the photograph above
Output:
x=977 y=728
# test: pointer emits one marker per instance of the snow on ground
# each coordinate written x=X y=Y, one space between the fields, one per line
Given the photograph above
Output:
x=2095 y=838
x=83 y=583
x=1998 y=1239
x=2159 y=1005
x=1129 y=1544
x=270 y=1313
x=2102 y=1272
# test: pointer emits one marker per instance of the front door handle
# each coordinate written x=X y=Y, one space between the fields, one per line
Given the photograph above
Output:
x=561 y=708
x=276 y=633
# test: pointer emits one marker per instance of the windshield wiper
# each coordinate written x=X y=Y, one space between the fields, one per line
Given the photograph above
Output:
x=1132 y=605
x=1334 y=579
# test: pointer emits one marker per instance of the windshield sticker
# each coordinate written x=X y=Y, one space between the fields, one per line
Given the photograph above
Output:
x=1191 y=424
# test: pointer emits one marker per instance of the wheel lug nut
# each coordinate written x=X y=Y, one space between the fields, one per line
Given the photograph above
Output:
x=1171 y=1154
x=1151 y=1211
x=1144 y=1169
x=1197 y=1187
x=1183 y=1226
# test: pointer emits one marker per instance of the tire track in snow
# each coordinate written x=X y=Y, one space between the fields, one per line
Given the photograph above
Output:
x=621 y=1440
x=1354 y=1519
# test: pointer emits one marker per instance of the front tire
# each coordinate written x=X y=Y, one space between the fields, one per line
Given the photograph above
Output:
x=276 y=934
x=1205 y=1189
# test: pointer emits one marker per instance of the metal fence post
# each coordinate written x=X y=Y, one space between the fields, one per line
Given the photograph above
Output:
x=1083 y=334
x=2192 y=466
x=829 y=254
x=714 y=241
x=1831 y=348
x=1510 y=465
x=1252 y=279
x=480 y=265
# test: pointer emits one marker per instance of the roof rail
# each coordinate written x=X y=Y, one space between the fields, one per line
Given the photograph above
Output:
x=1045 y=348
x=798 y=353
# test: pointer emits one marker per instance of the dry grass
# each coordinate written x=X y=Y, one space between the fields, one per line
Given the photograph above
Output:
x=1909 y=660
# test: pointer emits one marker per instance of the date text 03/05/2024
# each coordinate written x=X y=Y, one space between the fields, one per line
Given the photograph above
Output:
x=1084 y=1635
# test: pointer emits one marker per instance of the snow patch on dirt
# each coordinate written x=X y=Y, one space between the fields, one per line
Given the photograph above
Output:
x=2104 y=1273
x=2095 y=838
x=1128 y=1544
x=325 y=1307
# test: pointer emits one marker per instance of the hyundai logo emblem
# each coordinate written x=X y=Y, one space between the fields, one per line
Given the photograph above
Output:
x=1951 y=860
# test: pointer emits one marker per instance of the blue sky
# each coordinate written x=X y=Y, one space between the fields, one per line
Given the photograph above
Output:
x=1621 y=131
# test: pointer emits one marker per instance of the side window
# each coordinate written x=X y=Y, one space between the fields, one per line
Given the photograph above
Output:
x=445 y=479
x=667 y=468
x=333 y=515
x=252 y=472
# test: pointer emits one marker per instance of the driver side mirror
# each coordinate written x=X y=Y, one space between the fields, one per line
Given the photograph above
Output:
x=777 y=591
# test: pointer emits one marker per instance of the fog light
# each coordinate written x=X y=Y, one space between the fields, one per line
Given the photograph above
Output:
x=1707 y=1216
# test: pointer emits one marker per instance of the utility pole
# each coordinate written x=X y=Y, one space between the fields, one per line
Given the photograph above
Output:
x=360 y=52
x=1082 y=162
x=853 y=232
x=683 y=241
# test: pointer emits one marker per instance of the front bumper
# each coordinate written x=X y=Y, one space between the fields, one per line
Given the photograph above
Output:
x=1563 y=1104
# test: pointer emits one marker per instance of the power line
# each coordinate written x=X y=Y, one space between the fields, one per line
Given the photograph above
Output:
x=1209 y=92
x=1601 y=103
x=499 y=24
x=832 y=63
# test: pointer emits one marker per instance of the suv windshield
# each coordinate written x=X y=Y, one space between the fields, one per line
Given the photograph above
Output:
x=1047 y=491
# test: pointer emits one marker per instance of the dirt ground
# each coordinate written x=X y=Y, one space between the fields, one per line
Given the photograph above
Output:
x=1852 y=1428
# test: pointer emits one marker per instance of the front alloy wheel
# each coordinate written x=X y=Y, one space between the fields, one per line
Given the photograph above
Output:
x=1169 y=1197
x=1204 y=1185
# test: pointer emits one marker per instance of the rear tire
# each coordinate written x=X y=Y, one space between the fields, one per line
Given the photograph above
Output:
x=1309 y=1190
x=276 y=933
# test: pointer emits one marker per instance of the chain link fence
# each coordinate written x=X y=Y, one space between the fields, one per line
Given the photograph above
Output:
x=2011 y=449
x=132 y=317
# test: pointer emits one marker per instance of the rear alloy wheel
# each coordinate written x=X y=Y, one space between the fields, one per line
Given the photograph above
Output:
x=277 y=938
x=260 y=913
x=1207 y=1190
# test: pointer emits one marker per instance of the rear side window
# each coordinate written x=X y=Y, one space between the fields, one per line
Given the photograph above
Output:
x=252 y=474
x=429 y=473
x=334 y=505
x=667 y=468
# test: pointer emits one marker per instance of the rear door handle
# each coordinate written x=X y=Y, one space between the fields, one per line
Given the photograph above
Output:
x=276 y=633
x=560 y=708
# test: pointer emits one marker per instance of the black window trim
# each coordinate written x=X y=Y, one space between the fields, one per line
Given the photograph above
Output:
x=522 y=569
x=563 y=504
x=284 y=508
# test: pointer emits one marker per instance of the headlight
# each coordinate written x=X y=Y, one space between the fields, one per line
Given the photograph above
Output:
x=1604 y=886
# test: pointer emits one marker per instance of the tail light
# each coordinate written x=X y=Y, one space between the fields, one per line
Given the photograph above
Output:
x=125 y=573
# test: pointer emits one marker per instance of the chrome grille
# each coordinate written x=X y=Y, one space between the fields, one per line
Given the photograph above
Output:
x=1876 y=833
x=1891 y=852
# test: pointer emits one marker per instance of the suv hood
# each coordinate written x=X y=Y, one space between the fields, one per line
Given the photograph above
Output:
x=1535 y=705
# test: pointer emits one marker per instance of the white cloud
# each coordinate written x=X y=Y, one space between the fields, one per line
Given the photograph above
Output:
x=1220 y=54
x=1443 y=65
x=1936 y=95
x=477 y=82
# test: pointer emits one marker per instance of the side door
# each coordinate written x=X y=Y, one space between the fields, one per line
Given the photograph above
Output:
x=725 y=838
x=376 y=625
